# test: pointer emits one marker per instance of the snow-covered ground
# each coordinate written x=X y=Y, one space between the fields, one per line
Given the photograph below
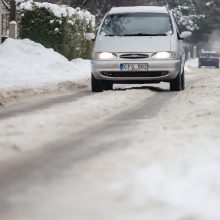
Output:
x=161 y=167
x=192 y=63
x=62 y=120
x=165 y=166
x=28 y=68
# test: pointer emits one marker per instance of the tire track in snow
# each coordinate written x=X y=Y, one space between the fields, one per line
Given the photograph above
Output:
x=39 y=104
x=49 y=163
x=36 y=105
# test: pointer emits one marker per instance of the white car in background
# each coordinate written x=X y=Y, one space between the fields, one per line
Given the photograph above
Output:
x=138 y=45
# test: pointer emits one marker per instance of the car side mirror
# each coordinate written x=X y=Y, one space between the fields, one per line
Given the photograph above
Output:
x=90 y=36
x=185 y=34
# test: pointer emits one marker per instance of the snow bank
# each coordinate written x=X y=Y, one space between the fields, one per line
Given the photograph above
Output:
x=29 y=65
x=191 y=64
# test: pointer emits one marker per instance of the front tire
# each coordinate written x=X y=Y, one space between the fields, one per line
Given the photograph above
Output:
x=96 y=84
x=176 y=84
x=183 y=80
x=107 y=85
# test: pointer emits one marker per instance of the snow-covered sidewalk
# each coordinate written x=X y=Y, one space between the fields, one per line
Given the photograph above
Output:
x=28 y=68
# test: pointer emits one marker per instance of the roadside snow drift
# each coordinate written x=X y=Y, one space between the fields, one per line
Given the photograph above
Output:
x=26 y=65
x=191 y=64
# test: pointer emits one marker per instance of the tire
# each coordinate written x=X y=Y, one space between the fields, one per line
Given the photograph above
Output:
x=183 y=80
x=176 y=84
x=107 y=85
x=97 y=85
x=217 y=66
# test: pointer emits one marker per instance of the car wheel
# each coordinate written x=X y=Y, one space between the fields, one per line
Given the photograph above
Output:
x=97 y=85
x=107 y=85
x=217 y=66
x=176 y=84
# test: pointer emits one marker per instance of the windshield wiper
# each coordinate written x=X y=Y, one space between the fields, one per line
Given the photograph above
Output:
x=160 y=35
x=143 y=34
x=139 y=34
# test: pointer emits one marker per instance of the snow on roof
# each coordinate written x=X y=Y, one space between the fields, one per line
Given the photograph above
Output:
x=138 y=9
x=13 y=22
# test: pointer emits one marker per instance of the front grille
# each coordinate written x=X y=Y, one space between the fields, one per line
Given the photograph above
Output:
x=135 y=74
x=134 y=56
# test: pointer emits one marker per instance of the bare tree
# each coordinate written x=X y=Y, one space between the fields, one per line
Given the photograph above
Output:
x=80 y=3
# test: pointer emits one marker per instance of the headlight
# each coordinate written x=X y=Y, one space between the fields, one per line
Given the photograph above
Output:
x=164 y=55
x=105 y=56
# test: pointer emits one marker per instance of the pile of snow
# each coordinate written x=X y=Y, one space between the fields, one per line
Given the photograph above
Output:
x=26 y=64
x=59 y=10
x=190 y=64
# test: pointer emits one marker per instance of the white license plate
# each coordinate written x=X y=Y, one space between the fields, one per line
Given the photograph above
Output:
x=133 y=67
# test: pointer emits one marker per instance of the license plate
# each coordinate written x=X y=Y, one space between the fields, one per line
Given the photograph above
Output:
x=133 y=67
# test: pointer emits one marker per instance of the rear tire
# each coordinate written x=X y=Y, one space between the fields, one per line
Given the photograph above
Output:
x=176 y=84
x=107 y=85
x=96 y=84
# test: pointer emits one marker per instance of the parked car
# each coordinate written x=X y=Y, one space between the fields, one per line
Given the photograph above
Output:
x=140 y=44
x=209 y=58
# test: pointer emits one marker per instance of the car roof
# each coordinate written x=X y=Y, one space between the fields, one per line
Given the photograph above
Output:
x=138 y=9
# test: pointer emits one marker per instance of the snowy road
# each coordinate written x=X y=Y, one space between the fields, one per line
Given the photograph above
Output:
x=135 y=153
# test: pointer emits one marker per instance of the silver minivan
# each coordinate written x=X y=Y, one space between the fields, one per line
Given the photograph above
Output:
x=138 y=45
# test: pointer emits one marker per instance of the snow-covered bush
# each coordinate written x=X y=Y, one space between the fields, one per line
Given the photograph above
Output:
x=185 y=12
x=189 y=17
x=59 y=27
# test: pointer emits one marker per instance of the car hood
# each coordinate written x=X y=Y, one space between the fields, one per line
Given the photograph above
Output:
x=134 y=44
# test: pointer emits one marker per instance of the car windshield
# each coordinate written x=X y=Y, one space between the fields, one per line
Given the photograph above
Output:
x=209 y=55
x=137 y=24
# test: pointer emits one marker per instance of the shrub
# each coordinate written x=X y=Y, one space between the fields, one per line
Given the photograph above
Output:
x=59 y=27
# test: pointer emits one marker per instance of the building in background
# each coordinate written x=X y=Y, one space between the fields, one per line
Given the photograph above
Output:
x=4 y=18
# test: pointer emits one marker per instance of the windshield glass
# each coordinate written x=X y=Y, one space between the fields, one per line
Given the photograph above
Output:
x=209 y=55
x=137 y=24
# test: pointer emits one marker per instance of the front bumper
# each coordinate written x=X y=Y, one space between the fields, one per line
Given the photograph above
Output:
x=208 y=62
x=158 y=70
